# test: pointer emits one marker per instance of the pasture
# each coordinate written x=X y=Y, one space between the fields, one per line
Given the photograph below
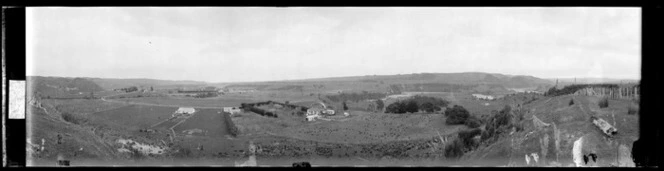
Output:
x=208 y=120
x=133 y=117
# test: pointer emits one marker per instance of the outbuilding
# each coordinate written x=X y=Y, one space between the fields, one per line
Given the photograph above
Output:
x=185 y=110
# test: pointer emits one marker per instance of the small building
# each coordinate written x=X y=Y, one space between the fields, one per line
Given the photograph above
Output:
x=184 y=110
x=232 y=110
x=313 y=113
x=328 y=112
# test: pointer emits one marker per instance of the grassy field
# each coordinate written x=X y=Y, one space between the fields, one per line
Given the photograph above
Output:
x=77 y=142
x=207 y=120
x=134 y=117
x=82 y=106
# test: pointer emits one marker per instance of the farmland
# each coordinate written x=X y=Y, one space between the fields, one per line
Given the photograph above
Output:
x=134 y=117
x=367 y=136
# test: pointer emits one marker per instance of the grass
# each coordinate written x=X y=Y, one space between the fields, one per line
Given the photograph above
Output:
x=205 y=119
x=81 y=106
x=134 y=116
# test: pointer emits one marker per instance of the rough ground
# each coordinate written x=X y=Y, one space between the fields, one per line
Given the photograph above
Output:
x=553 y=144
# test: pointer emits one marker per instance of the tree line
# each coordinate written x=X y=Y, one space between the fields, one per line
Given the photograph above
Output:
x=416 y=104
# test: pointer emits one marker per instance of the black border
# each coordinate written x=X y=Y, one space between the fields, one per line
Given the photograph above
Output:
x=651 y=50
x=14 y=25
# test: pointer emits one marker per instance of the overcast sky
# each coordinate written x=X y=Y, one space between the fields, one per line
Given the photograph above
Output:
x=259 y=44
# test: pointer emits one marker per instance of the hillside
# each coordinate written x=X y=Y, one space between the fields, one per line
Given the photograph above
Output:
x=517 y=81
x=552 y=125
x=114 y=83
x=472 y=82
x=61 y=86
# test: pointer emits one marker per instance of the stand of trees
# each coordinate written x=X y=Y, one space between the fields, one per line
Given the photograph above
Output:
x=417 y=104
x=129 y=89
x=250 y=107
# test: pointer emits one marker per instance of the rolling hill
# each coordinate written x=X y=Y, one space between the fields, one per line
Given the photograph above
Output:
x=60 y=86
x=113 y=83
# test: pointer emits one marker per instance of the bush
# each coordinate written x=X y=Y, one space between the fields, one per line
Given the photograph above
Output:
x=429 y=107
x=230 y=126
x=473 y=122
x=632 y=109
x=74 y=118
x=466 y=137
x=454 y=150
x=396 y=107
x=456 y=115
x=499 y=122
x=411 y=107
x=571 y=102
x=603 y=103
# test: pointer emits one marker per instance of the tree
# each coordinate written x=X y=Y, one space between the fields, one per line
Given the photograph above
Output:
x=456 y=115
x=380 y=104
x=411 y=107
x=429 y=107
x=396 y=107
x=345 y=106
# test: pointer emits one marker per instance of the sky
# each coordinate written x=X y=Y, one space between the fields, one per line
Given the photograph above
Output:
x=238 y=44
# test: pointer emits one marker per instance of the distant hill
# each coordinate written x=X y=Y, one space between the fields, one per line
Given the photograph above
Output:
x=61 y=86
x=114 y=83
x=592 y=80
x=510 y=81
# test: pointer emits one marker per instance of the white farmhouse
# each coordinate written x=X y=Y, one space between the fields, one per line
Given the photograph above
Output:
x=313 y=113
x=185 y=110
x=232 y=110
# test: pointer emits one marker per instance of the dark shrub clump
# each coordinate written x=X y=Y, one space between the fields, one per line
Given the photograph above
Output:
x=473 y=122
x=604 y=103
x=632 y=109
x=456 y=115
x=454 y=150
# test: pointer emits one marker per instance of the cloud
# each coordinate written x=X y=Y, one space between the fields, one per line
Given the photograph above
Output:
x=214 y=44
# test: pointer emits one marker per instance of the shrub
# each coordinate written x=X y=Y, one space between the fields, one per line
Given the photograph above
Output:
x=429 y=107
x=454 y=150
x=466 y=137
x=571 y=102
x=632 y=109
x=73 y=118
x=412 y=107
x=456 y=115
x=473 y=122
x=379 y=104
x=230 y=126
x=603 y=103
x=396 y=107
